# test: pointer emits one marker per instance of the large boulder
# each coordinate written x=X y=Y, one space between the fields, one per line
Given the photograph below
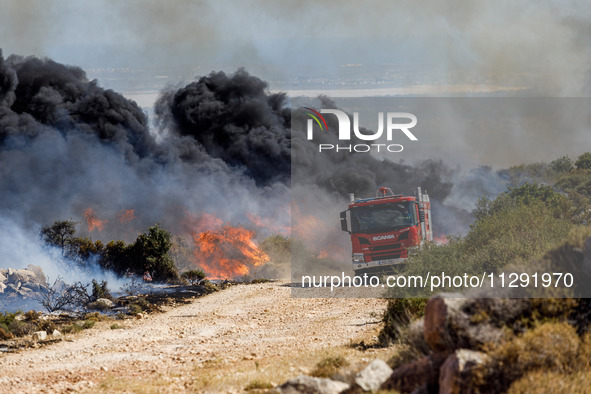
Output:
x=22 y=276
x=12 y=288
x=449 y=322
x=39 y=336
x=455 y=374
x=371 y=378
x=38 y=271
x=420 y=375
x=101 y=304
x=309 y=385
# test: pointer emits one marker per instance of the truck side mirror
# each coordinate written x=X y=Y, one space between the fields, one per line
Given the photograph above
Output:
x=421 y=213
x=344 y=225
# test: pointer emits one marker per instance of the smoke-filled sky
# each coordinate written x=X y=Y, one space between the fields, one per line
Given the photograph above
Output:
x=219 y=142
x=541 y=46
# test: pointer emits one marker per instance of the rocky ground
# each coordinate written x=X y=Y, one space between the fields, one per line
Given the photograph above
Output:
x=19 y=288
x=246 y=335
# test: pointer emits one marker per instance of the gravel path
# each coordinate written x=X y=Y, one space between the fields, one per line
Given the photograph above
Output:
x=218 y=343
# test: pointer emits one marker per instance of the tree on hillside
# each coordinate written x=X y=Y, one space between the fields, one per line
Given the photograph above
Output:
x=150 y=252
x=584 y=161
x=115 y=257
x=562 y=165
x=60 y=234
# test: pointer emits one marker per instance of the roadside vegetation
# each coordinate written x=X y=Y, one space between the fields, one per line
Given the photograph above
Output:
x=541 y=221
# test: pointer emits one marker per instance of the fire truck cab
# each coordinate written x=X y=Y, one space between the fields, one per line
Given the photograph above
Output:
x=384 y=229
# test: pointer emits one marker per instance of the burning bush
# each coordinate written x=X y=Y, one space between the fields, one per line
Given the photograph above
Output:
x=193 y=276
x=228 y=252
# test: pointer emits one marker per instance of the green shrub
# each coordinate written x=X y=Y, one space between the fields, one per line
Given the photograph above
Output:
x=6 y=318
x=134 y=309
x=505 y=233
x=584 y=161
x=94 y=316
x=21 y=328
x=150 y=252
x=399 y=313
x=100 y=290
x=526 y=194
x=72 y=328
x=144 y=304
x=48 y=326
x=88 y=324
x=77 y=327
x=32 y=316
x=562 y=165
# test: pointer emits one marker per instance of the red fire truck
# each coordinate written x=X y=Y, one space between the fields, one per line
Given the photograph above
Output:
x=385 y=228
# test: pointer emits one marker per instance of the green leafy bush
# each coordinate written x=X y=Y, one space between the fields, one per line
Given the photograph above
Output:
x=562 y=165
x=584 y=161
x=520 y=225
x=149 y=252
x=399 y=313
x=100 y=290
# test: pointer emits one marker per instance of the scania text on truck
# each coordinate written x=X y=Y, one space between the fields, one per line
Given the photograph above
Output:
x=384 y=229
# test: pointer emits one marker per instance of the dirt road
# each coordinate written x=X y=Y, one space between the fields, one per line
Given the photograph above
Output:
x=247 y=334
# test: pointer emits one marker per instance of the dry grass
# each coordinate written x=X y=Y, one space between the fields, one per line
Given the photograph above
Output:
x=329 y=366
x=258 y=384
x=549 y=350
x=219 y=374
x=552 y=382
x=151 y=385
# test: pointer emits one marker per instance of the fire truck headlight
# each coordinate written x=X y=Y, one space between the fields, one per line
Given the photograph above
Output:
x=358 y=258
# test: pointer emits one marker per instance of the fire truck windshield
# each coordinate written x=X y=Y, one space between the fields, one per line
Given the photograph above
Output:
x=382 y=218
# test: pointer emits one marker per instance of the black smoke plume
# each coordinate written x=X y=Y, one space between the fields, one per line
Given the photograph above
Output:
x=235 y=119
x=67 y=145
x=43 y=93
x=223 y=149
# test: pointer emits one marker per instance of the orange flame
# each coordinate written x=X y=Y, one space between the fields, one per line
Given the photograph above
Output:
x=228 y=252
x=92 y=221
x=268 y=223
x=319 y=236
x=201 y=223
x=440 y=240
x=126 y=215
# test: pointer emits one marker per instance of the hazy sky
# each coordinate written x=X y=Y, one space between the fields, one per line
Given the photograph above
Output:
x=542 y=45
